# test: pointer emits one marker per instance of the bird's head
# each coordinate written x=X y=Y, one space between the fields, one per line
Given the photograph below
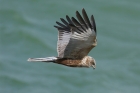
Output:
x=92 y=62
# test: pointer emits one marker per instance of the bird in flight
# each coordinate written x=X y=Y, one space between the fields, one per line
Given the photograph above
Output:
x=76 y=38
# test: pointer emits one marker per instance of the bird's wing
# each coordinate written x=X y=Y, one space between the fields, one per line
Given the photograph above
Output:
x=76 y=39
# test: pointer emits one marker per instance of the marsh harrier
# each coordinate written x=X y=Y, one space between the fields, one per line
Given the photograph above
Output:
x=75 y=40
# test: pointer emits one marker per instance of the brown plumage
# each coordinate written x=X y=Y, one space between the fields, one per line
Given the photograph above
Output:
x=75 y=40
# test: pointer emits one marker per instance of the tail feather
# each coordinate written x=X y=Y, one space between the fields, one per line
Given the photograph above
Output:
x=47 y=59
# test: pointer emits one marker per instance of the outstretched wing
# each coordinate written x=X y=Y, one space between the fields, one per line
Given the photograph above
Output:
x=76 y=39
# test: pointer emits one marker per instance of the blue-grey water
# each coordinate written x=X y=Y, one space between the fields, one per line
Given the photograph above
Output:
x=26 y=30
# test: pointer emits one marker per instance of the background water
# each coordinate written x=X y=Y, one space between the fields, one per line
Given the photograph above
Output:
x=26 y=30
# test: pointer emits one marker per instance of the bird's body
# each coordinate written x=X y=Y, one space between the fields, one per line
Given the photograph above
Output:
x=75 y=40
x=85 y=62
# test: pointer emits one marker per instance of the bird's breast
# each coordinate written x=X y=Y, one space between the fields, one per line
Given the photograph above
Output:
x=70 y=62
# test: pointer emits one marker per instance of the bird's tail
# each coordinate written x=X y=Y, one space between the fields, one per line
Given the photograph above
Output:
x=47 y=59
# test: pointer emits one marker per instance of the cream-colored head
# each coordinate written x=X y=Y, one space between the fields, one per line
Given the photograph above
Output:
x=91 y=61
x=88 y=61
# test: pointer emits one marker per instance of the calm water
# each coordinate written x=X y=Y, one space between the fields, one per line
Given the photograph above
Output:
x=26 y=30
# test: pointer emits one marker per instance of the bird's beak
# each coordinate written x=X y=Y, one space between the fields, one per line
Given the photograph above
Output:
x=93 y=66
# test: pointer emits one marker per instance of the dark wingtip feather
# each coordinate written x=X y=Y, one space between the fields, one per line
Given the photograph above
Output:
x=68 y=19
x=57 y=27
x=60 y=24
x=93 y=23
x=86 y=17
x=75 y=22
x=83 y=9
x=64 y=21
x=79 y=17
